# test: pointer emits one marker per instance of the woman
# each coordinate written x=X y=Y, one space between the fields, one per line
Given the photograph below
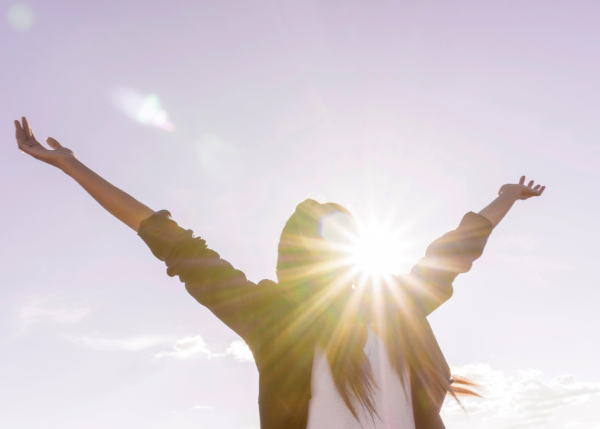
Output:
x=333 y=350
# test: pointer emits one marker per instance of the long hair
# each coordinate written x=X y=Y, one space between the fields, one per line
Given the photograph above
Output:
x=314 y=270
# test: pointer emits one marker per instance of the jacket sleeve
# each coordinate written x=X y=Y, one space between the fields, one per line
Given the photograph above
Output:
x=430 y=280
x=212 y=281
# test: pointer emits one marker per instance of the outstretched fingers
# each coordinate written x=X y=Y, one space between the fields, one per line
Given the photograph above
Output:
x=26 y=139
x=537 y=190
x=21 y=137
x=53 y=143
x=27 y=129
x=530 y=189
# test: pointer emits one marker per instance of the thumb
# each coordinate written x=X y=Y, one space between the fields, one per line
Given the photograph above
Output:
x=53 y=143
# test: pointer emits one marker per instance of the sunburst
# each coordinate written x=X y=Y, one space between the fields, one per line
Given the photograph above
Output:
x=375 y=249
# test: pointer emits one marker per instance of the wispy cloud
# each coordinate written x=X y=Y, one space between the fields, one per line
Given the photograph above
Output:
x=33 y=313
x=195 y=347
x=219 y=159
x=530 y=373
x=525 y=243
x=518 y=402
x=201 y=407
x=131 y=344
x=188 y=347
x=191 y=347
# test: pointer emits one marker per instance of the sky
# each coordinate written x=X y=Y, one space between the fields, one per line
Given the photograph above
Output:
x=230 y=113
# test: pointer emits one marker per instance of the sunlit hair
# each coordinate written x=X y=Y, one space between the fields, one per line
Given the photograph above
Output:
x=315 y=269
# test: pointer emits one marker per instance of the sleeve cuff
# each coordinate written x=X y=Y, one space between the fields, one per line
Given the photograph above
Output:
x=477 y=224
x=162 y=234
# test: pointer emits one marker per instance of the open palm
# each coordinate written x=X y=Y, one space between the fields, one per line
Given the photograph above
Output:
x=522 y=191
x=56 y=156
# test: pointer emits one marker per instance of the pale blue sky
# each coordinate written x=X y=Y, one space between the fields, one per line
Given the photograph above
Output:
x=412 y=113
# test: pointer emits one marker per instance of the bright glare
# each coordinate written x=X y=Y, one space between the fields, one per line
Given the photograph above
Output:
x=379 y=250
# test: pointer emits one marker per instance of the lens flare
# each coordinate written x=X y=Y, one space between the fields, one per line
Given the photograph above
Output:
x=20 y=16
x=144 y=109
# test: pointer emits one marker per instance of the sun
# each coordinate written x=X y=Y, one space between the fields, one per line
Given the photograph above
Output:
x=375 y=249
x=379 y=250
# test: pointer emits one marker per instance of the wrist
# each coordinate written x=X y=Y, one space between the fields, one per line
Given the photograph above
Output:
x=510 y=193
x=70 y=165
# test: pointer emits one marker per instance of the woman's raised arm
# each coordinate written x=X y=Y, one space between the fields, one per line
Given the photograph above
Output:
x=507 y=196
x=430 y=280
x=118 y=203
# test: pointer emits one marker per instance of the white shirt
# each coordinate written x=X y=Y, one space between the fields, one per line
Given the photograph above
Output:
x=327 y=409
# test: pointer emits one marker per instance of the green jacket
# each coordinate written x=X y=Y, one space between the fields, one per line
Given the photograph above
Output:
x=268 y=321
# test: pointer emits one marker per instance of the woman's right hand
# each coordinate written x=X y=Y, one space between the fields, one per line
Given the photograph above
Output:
x=57 y=156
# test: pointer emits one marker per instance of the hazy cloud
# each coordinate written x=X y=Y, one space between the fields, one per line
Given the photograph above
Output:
x=201 y=407
x=195 y=347
x=188 y=347
x=218 y=158
x=33 y=313
x=518 y=402
x=516 y=253
x=524 y=243
x=132 y=344
x=240 y=351
x=191 y=347
x=529 y=373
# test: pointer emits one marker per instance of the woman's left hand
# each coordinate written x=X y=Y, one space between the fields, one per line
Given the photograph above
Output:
x=521 y=191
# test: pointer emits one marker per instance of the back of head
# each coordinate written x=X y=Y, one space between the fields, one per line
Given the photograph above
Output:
x=314 y=246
